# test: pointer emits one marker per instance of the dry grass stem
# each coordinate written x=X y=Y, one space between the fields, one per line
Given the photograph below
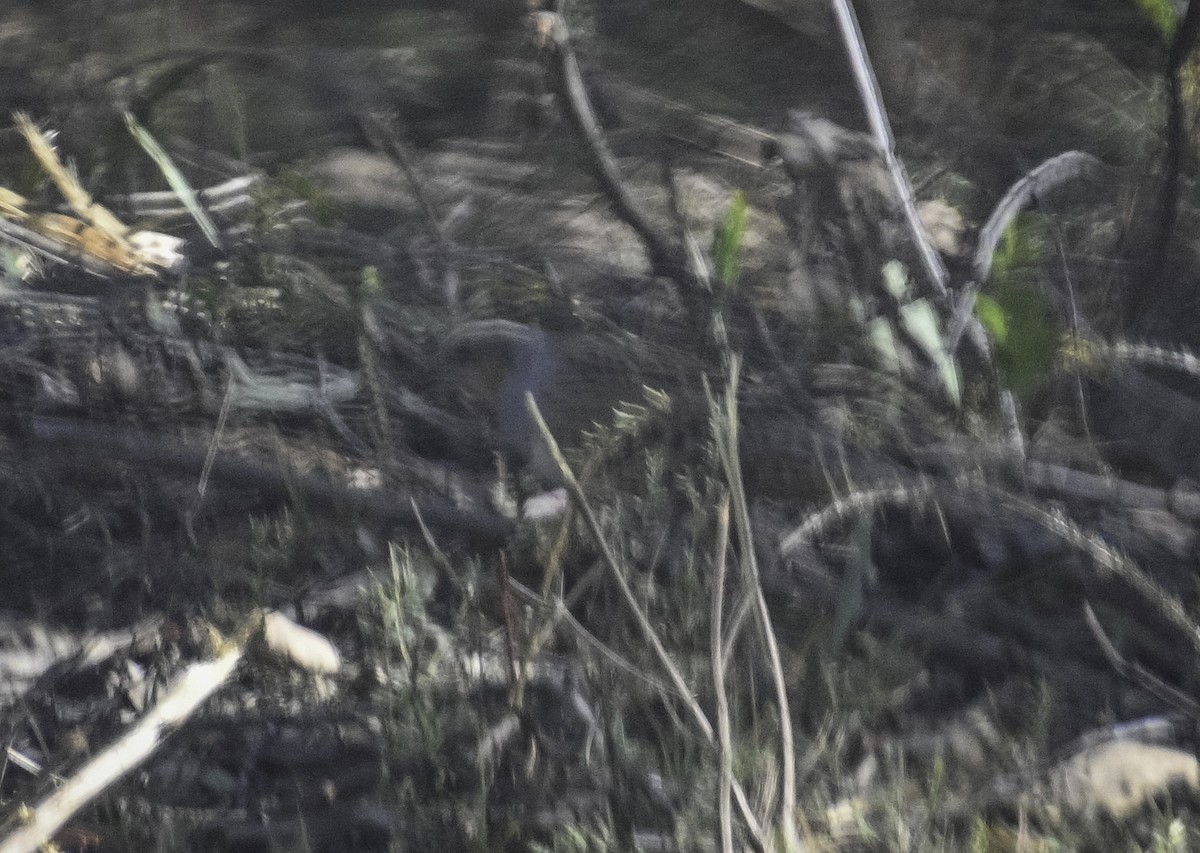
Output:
x=724 y=738
x=643 y=622
x=726 y=433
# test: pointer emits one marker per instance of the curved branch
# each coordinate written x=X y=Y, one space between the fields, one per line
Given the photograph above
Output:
x=665 y=257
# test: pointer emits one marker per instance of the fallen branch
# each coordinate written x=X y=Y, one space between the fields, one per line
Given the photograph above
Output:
x=91 y=441
x=1137 y=674
x=665 y=257
x=130 y=751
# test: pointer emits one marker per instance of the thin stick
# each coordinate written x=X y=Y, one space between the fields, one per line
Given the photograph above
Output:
x=558 y=614
x=215 y=441
x=1138 y=674
x=1111 y=563
x=665 y=257
x=872 y=99
x=384 y=138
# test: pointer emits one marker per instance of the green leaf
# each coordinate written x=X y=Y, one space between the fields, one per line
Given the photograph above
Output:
x=895 y=279
x=16 y=265
x=1014 y=312
x=921 y=323
x=728 y=244
x=1021 y=249
x=1024 y=334
x=883 y=338
x=372 y=284
x=175 y=179
x=1160 y=13
x=991 y=316
x=860 y=573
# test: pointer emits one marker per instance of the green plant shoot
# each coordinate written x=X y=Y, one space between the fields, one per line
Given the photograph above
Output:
x=727 y=246
x=372 y=284
x=1018 y=320
x=923 y=326
x=883 y=338
x=1014 y=311
x=1021 y=251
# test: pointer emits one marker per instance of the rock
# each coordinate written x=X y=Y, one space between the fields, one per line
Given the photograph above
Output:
x=1118 y=778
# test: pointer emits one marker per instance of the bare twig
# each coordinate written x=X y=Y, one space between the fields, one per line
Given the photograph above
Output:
x=1063 y=482
x=558 y=613
x=1112 y=563
x=228 y=198
x=872 y=99
x=215 y=442
x=1108 y=561
x=740 y=142
x=693 y=255
x=1151 y=355
x=664 y=254
x=1181 y=501
x=1137 y=674
x=855 y=504
x=385 y=139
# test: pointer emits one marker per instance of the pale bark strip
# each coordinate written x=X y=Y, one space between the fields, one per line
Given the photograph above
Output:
x=184 y=697
x=1042 y=179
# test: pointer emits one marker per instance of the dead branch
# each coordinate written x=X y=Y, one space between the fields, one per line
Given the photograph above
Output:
x=131 y=750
